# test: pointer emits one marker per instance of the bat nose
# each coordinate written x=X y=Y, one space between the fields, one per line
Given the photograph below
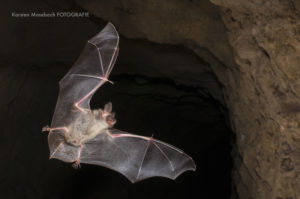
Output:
x=110 y=120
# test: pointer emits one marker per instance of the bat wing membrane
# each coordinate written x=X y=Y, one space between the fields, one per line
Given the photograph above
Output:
x=136 y=157
x=90 y=71
x=61 y=150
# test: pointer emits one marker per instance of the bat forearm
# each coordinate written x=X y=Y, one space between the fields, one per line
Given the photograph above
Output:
x=64 y=129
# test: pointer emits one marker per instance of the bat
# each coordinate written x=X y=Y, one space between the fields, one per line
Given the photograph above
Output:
x=81 y=135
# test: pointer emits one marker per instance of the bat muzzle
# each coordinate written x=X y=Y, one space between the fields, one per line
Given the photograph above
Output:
x=110 y=120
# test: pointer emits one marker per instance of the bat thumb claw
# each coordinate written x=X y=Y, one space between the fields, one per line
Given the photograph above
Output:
x=110 y=81
x=45 y=128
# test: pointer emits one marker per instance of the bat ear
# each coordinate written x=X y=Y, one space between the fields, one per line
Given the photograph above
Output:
x=108 y=107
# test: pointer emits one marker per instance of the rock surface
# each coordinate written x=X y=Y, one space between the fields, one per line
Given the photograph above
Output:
x=264 y=99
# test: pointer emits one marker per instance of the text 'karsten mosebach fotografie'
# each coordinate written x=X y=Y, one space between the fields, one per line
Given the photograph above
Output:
x=50 y=14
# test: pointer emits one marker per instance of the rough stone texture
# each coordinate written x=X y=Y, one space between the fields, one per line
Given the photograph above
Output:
x=264 y=100
x=261 y=88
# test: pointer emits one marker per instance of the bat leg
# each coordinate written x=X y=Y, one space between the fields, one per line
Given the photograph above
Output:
x=76 y=164
x=47 y=128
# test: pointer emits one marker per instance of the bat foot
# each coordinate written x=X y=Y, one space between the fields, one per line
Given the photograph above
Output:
x=76 y=165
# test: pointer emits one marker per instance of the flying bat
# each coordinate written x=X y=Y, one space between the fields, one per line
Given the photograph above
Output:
x=81 y=135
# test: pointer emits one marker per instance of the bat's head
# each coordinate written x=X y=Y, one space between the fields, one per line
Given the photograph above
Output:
x=108 y=115
x=105 y=114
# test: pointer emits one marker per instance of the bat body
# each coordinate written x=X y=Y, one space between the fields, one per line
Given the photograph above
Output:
x=81 y=135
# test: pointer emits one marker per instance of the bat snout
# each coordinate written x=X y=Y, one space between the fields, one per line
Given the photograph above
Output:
x=110 y=120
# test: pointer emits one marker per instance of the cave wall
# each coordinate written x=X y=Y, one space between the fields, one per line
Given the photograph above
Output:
x=265 y=101
x=258 y=68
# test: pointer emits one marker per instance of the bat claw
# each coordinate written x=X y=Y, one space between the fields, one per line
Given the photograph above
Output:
x=76 y=165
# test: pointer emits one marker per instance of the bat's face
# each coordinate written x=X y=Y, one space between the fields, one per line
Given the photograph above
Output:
x=105 y=115
x=110 y=120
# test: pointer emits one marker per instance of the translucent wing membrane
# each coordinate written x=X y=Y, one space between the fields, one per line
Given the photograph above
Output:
x=99 y=54
x=107 y=42
x=136 y=157
x=90 y=71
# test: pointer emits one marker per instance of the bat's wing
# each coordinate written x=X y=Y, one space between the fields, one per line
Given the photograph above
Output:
x=76 y=88
x=136 y=157
x=60 y=149
x=90 y=71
